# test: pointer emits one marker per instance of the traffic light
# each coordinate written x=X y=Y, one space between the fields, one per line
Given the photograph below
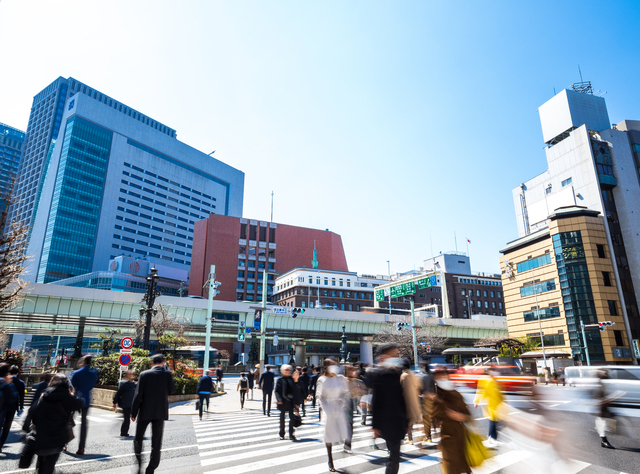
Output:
x=296 y=311
x=216 y=291
x=603 y=325
x=401 y=326
x=241 y=331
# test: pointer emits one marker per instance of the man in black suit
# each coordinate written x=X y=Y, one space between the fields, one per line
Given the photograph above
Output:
x=313 y=383
x=288 y=397
x=151 y=405
x=124 y=399
x=266 y=385
x=38 y=389
x=304 y=388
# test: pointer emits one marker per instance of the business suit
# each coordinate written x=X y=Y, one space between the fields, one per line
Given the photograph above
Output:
x=313 y=383
x=266 y=384
x=124 y=399
x=151 y=405
x=288 y=397
x=83 y=380
x=304 y=389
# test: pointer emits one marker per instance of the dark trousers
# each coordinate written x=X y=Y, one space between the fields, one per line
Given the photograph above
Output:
x=126 y=421
x=203 y=397
x=284 y=410
x=313 y=395
x=83 y=427
x=6 y=424
x=393 y=464
x=493 y=429
x=46 y=464
x=304 y=412
x=243 y=393
x=266 y=405
x=157 y=428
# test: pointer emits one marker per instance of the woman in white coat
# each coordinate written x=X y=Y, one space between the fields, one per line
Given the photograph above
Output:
x=334 y=397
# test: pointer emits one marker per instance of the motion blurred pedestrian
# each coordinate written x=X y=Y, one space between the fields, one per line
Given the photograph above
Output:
x=411 y=388
x=50 y=417
x=256 y=378
x=83 y=381
x=266 y=385
x=388 y=407
x=451 y=410
x=8 y=401
x=219 y=375
x=304 y=388
x=38 y=389
x=123 y=398
x=204 y=389
x=604 y=420
x=489 y=393
x=20 y=387
x=243 y=388
x=313 y=381
x=287 y=398
x=428 y=394
x=335 y=398
x=151 y=406
x=13 y=405
x=251 y=380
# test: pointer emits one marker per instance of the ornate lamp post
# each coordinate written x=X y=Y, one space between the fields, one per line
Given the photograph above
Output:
x=292 y=353
x=344 y=355
x=150 y=299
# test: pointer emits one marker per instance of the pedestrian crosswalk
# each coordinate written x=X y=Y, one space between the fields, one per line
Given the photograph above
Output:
x=247 y=442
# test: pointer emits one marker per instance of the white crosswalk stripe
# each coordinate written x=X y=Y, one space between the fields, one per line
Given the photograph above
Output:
x=246 y=442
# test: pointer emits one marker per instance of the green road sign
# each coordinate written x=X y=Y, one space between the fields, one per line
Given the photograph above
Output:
x=404 y=289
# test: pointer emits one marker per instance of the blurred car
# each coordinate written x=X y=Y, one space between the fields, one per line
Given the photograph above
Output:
x=622 y=379
x=510 y=377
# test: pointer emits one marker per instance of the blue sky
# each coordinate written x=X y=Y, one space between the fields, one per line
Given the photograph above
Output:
x=392 y=123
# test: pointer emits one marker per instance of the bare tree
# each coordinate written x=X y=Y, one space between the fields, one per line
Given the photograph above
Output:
x=162 y=322
x=13 y=246
x=431 y=335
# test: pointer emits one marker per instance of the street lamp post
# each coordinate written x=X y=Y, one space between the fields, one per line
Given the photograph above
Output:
x=150 y=299
x=343 y=349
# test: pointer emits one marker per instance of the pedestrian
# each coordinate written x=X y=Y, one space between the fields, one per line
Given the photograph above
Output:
x=38 y=389
x=388 y=406
x=334 y=399
x=243 y=387
x=83 y=381
x=547 y=375
x=250 y=379
x=287 y=398
x=304 y=388
x=50 y=417
x=266 y=385
x=451 y=410
x=256 y=378
x=411 y=388
x=427 y=396
x=151 y=406
x=8 y=402
x=604 y=420
x=313 y=380
x=365 y=399
x=489 y=392
x=219 y=375
x=356 y=391
x=124 y=399
x=204 y=389
x=20 y=387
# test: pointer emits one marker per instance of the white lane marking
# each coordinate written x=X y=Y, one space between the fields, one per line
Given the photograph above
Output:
x=97 y=419
x=501 y=461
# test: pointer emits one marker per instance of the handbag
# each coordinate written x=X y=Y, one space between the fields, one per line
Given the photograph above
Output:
x=198 y=405
x=475 y=452
x=296 y=420
x=69 y=424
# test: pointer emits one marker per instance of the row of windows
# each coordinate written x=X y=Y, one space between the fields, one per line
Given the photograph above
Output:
x=479 y=282
x=155 y=219
x=150 y=254
x=252 y=264
x=551 y=340
x=543 y=287
x=463 y=292
x=479 y=304
x=151 y=244
x=567 y=182
x=318 y=281
x=545 y=313
x=534 y=263
x=157 y=203
x=156 y=237
x=334 y=293
x=181 y=186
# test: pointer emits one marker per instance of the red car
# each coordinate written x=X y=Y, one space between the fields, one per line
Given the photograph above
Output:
x=511 y=377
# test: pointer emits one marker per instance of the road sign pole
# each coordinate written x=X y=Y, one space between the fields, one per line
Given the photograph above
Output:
x=586 y=349
x=413 y=331
x=207 y=338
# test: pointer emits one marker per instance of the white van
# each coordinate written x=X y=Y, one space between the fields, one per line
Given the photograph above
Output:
x=623 y=378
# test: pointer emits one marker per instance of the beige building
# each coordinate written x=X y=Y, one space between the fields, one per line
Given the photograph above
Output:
x=563 y=274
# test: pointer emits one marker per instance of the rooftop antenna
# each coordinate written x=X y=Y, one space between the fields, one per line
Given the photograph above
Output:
x=580 y=71
x=271 y=206
x=582 y=86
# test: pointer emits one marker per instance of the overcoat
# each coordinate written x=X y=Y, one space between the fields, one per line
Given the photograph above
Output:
x=452 y=432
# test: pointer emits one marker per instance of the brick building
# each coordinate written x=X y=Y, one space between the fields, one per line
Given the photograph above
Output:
x=241 y=248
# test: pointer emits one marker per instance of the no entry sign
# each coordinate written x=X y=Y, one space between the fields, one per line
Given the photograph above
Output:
x=126 y=343
x=125 y=359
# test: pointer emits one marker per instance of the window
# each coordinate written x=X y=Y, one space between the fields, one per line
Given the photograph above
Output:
x=348 y=283
x=493 y=294
x=342 y=306
x=486 y=304
x=333 y=294
x=551 y=340
x=333 y=282
x=326 y=282
x=240 y=285
x=605 y=169
x=340 y=283
x=462 y=292
x=500 y=296
x=350 y=307
x=606 y=278
x=548 y=190
x=479 y=304
x=545 y=313
x=500 y=306
x=493 y=304
x=600 y=250
x=566 y=182
x=464 y=303
x=618 y=336
x=607 y=195
x=613 y=311
x=542 y=287
x=240 y=274
x=534 y=263
x=485 y=293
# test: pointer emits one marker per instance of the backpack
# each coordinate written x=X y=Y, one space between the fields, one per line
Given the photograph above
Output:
x=244 y=384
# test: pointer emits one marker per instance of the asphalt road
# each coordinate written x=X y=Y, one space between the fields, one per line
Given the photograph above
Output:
x=233 y=441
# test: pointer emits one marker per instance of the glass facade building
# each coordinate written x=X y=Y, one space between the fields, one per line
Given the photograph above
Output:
x=116 y=182
x=11 y=144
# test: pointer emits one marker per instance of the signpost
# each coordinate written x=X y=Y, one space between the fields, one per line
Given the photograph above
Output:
x=126 y=343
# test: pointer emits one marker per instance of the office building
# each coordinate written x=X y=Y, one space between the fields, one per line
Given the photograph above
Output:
x=114 y=181
x=592 y=166
x=241 y=249
x=11 y=147
x=329 y=289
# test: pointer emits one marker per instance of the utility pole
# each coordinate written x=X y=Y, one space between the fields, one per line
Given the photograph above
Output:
x=584 y=337
x=212 y=284
x=150 y=299
x=413 y=332
x=263 y=324
x=389 y=272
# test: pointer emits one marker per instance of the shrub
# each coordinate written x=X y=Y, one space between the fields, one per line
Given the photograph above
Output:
x=11 y=357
